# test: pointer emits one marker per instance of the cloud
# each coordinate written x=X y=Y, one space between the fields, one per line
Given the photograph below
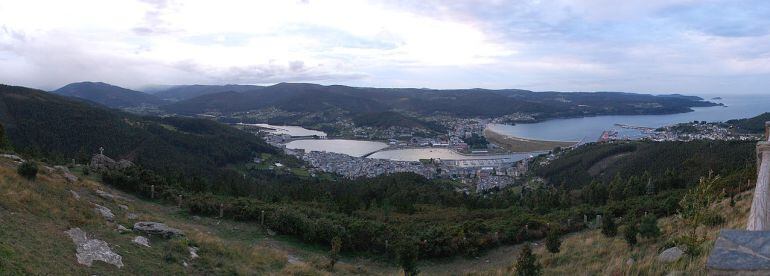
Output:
x=635 y=45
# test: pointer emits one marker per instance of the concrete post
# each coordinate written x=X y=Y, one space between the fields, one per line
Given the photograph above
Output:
x=262 y=219
x=179 y=201
x=759 y=216
x=152 y=191
x=221 y=210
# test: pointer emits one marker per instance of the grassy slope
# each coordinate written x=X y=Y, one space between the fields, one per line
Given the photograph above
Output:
x=591 y=253
x=35 y=214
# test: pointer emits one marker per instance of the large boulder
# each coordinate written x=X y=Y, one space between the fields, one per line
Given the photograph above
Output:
x=671 y=255
x=90 y=250
x=157 y=228
x=100 y=162
x=104 y=211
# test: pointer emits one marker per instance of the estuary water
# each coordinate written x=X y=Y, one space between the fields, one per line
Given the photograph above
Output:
x=590 y=128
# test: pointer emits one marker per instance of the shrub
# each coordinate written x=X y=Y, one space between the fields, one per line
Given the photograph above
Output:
x=526 y=263
x=609 y=229
x=712 y=219
x=28 y=170
x=648 y=228
x=552 y=241
x=406 y=253
x=334 y=253
x=629 y=234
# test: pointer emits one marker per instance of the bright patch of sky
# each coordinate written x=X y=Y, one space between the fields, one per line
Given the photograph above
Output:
x=654 y=46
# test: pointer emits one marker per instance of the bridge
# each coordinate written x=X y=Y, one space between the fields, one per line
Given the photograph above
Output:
x=747 y=252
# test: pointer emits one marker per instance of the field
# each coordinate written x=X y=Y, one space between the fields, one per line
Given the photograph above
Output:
x=517 y=144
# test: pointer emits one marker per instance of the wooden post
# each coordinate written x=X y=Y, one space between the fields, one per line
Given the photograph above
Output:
x=262 y=219
x=152 y=191
x=179 y=201
x=221 y=210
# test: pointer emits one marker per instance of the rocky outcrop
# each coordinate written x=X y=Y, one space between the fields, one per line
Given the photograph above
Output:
x=90 y=250
x=157 y=228
x=671 y=255
x=100 y=162
x=739 y=252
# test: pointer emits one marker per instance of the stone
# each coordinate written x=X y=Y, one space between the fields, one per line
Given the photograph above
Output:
x=193 y=252
x=104 y=211
x=671 y=255
x=75 y=195
x=141 y=241
x=132 y=216
x=65 y=172
x=740 y=252
x=110 y=196
x=90 y=250
x=630 y=261
x=157 y=228
x=13 y=157
x=100 y=163
x=123 y=229
x=124 y=207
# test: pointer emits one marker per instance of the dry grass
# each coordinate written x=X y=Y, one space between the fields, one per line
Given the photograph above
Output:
x=591 y=253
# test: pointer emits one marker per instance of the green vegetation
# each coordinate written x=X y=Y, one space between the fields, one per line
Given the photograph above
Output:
x=28 y=170
x=394 y=119
x=609 y=228
x=476 y=141
x=751 y=125
x=552 y=241
x=526 y=263
x=5 y=145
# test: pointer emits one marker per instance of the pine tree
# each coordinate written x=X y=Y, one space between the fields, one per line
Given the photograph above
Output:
x=609 y=229
x=526 y=264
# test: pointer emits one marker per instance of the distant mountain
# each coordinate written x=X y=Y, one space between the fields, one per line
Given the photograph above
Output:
x=184 y=92
x=59 y=128
x=300 y=97
x=107 y=94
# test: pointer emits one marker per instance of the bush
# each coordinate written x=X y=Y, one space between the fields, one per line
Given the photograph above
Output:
x=609 y=229
x=526 y=263
x=28 y=170
x=648 y=228
x=406 y=253
x=552 y=241
x=629 y=234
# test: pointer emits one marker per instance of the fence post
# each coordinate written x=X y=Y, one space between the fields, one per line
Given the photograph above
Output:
x=262 y=219
x=152 y=191
x=221 y=210
x=179 y=201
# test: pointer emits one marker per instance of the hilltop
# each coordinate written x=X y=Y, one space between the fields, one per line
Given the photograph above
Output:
x=107 y=94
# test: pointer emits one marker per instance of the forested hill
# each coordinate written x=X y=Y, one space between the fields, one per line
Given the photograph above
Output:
x=58 y=128
x=184 y=92
x=751 y=125
x=108 y=95
x=299 y=97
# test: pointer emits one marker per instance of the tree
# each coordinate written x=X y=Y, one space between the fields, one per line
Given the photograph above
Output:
x=694 y=205
x=629 y=234
x=526 y=263
x=552 y=242
x=28 y=170
x=4 y=143
x=648 y=228
x=406 y=253
x=609 y=229
x=334 y=253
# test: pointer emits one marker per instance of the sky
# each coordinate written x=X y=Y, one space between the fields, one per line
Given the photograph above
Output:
x=649 y=46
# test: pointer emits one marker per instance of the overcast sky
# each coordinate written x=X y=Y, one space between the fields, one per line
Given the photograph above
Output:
x=569 y=45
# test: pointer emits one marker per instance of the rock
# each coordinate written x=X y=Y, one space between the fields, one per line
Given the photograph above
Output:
x=65 y=172
x=270 y=232
x=100 y=163
x=104 y=211
x=630 y=261
x=670 y=255
x=110 y=196
x=157 y=228
x=132 y=216
x=124 y=207
x=141 y=241
x=123 y=229
x=13 y=157
x=740 y=252
x=75 y=195
x=193 y=252
x=90 y=250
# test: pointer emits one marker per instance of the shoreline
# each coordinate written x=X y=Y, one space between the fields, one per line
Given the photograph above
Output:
x=518 y=144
